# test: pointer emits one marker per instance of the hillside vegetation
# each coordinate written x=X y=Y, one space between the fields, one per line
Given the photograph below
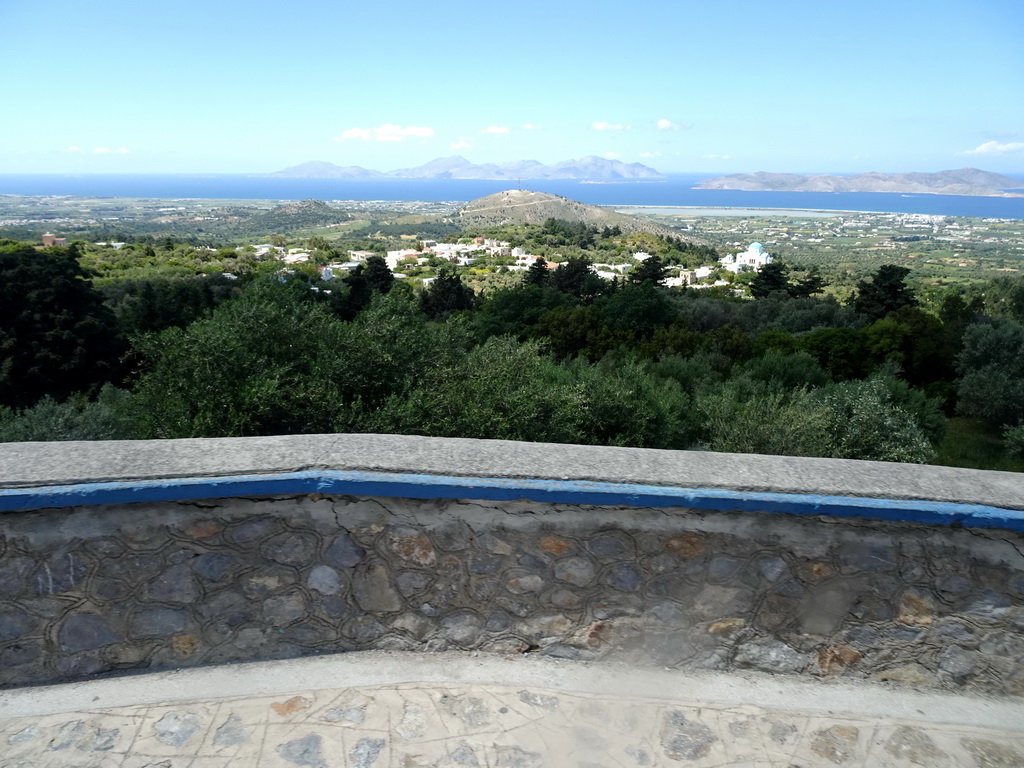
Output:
x=514 y=206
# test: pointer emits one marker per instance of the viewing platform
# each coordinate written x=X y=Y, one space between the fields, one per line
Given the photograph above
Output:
x=383 y=600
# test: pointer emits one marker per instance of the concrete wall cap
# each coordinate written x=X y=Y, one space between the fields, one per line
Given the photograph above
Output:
x=28 y=465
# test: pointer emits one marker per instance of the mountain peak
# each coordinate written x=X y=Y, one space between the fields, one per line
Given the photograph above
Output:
x=457 y=167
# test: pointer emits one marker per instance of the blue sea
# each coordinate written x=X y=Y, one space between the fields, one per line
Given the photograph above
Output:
x=675 y=191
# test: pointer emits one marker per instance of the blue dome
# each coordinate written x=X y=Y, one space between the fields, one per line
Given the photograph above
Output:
x=756 y=246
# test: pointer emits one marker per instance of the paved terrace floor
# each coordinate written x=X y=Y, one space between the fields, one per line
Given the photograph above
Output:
x=463 y=710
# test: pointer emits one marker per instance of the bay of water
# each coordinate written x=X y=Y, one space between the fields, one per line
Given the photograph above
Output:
x=675 y=192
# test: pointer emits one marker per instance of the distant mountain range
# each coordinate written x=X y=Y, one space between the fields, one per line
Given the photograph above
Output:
x=456 y=167
x=965 y=181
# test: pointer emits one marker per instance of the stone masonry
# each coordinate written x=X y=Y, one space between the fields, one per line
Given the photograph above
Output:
x=93 y=590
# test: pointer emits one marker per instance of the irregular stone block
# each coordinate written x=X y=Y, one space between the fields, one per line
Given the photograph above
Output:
x=253 y=530
x=958 y=664
x=722 y=568
x=295 y=549
x=175 y=585
x=157 y=622
x=684 y=739
x=867 y=637
x=822 y=609
x=176 y=728
x=837 y=744
x=609 y=545
x=411 y=582
x=324 y=580
x=344 y=552
x=412 y=546
x=105 y=547
x=483 y=563
x=523 y=584
x=60 y=573
x=85 y=632
x=771 y=656
x=212 y=566
x=461 y=628
x=914 y=745
x=575 y=570
x=14 y=624
x=13 y=573
x=372 y=590
x=267 y=581
x=555 y=545
x=284 y=609
x=624 y=576
x=859 y=556
x=916 y=609
x=686 y=546
x=772 y=568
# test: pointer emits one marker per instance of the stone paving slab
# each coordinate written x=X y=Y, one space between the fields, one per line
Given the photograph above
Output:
x=418 y=725
x=341 y=719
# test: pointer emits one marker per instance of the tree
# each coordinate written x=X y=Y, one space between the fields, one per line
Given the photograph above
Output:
x=538 y=273
x=886 y=292
x=991 y=365
x=651 y=270
x=446 y=295
x=770 y=278
x=809 y=285
x=56 y=337
x=377 y=274
x=574 y=277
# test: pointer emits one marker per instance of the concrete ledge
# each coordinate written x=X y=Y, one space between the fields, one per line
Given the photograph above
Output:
x=25 y=465
x=381 y=668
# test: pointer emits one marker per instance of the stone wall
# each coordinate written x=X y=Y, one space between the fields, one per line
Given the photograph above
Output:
x=99 y=589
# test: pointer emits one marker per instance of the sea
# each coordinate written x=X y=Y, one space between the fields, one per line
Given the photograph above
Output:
x=672 y=192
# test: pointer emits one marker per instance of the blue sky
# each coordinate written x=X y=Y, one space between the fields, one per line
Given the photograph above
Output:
x=112 y=86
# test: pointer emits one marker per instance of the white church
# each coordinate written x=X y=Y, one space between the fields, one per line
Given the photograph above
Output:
x=751 y=259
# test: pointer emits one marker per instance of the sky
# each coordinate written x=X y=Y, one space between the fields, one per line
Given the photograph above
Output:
x=219 y=86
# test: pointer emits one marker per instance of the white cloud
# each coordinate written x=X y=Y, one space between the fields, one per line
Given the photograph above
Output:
x=495 y=129
x=995 y=148
x=385 y=132
x=102 y=151
x=122 y=151
x=531 y=127
x=74 y=149
x=602 y=126
x=612 y=155
x=715 y=157
x=650 y=154
x=668 y=125
x=363 y=134
x=461 y=144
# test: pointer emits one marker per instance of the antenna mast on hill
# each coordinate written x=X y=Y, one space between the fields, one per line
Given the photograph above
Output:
x=520 y=184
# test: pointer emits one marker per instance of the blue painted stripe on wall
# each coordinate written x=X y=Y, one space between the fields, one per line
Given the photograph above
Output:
x=338 y=483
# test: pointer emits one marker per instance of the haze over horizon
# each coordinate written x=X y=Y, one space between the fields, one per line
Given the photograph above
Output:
x=120 y=87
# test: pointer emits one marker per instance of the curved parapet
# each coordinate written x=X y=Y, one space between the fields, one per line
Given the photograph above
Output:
x=160 y=554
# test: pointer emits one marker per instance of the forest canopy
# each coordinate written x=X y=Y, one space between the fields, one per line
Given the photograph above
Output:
x=553 y=355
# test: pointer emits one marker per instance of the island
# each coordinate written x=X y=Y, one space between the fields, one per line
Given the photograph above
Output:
x=964 y=181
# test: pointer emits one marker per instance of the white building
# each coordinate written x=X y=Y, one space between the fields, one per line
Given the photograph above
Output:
x=753 y=258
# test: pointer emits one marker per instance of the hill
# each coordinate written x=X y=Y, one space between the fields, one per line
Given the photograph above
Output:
x=964 y=181
x=457 y=167
x=515 y=206
x=295 y=216
x=317 y=169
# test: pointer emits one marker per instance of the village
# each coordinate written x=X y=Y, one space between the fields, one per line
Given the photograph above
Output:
x=466 y=254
